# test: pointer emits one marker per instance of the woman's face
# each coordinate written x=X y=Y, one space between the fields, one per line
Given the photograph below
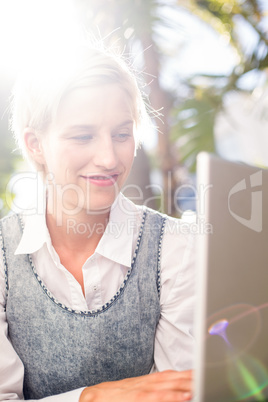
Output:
x=89 y=152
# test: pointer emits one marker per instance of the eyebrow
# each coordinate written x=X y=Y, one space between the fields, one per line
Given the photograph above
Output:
x=81 y=127
x=125 y=123
x=89 y=127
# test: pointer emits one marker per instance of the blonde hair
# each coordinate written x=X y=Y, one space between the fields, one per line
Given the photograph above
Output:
x=39 y=91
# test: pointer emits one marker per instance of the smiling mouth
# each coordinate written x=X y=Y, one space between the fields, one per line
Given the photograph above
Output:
x=102 y=177
x=114 y=176
x=102 y=180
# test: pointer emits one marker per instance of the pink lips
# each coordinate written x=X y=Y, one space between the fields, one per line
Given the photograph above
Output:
x=102 y=180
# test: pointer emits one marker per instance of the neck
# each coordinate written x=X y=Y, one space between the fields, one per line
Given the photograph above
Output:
x=75 y=231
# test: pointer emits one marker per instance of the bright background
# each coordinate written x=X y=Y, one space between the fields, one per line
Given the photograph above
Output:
x=204 y=66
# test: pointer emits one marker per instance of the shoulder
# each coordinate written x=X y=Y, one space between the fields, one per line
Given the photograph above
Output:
x=9 y=219
x=179 y=237
x=172 y=225
x=11 y=228
x=152 y=213
x=174 y=229
x=179 y=227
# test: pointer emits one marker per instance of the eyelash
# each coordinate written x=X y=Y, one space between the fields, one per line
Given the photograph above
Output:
x=83 y=137
x=118 y=137
x=121 y=136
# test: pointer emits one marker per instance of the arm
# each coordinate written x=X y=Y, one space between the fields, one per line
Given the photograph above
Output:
x=11 y=367
x=174 y=342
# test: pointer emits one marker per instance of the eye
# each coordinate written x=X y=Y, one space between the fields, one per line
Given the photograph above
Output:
x=122 y=136
x=83 y=138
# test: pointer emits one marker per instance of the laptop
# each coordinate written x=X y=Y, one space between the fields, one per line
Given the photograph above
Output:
x=232 y=282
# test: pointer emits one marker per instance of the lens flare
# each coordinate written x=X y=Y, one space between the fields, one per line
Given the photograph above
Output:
x=238 y=325
x=219 y=328
x=247 y=376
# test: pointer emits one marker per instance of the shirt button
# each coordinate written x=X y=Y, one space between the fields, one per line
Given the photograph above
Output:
x=95 y=287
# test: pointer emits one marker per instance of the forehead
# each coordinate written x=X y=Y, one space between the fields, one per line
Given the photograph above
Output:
x=95 y=105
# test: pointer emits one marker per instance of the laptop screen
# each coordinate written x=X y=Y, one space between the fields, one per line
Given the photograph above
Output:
x=232 y=284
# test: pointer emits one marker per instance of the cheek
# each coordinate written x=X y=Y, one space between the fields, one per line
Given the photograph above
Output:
x=60 y=160
x=129 y=157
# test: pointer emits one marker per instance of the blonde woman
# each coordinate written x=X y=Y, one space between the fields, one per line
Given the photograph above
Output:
x=96 y=293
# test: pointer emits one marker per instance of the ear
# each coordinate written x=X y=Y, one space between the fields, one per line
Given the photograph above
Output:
x=33 y=145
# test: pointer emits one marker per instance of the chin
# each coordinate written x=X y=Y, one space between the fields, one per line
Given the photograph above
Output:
x=96 y=208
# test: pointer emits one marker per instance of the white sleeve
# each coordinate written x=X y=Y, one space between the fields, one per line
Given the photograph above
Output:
x=174 y=341
x=11 y=367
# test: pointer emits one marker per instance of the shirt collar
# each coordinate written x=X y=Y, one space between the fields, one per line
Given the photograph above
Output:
x=35 y=234
x=116 y=244
x=119 y=239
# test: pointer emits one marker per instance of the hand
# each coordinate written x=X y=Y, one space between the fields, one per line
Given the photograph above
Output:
x=166 y=386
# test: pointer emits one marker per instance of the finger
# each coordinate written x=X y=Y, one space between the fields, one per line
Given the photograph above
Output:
x=172 y=374
x=183 y=385
x=163 y=396
x=166 y=376
x=180 y=381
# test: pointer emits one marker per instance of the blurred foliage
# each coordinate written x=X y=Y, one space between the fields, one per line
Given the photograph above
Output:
x=193 y=120
x=193 y=129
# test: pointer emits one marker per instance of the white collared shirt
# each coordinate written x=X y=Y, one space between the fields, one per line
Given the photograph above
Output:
x=103 y=273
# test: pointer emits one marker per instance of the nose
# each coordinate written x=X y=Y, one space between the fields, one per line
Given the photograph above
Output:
x=105 y=155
